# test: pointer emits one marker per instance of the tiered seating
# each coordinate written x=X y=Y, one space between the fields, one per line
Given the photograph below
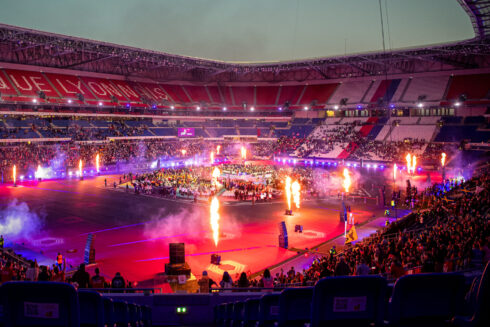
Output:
x=266 y=95
x=176 y=93
x=319 y=93
x=420 y=132
x=432 y=87
x=475 y=87
x=353 y=91
x=290 y=93
x=243 y=94
x=197 y=93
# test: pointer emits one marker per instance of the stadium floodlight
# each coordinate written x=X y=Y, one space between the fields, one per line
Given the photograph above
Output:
x=392 y=106
x=336 y=107
x=70 y=101
x=224 y=108
x=100 y=103
x=280 y=108
x=172 y=107
x=420 y=105
x=34 y=100
x=252 y=108
x=359 y=106
x=305 y=107
x=198 y=108
x=457 y=103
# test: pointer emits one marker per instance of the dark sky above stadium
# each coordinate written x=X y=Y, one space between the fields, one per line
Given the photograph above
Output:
x=247 y=30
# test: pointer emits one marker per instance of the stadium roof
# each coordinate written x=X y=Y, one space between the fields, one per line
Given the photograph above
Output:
x=31 y=47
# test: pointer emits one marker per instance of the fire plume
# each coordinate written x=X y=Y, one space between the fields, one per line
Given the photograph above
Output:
x=14 y=174
x=211 y=157
x=287 y=188
x=443 y=159
x=347 y=180
x=218 y=147
x=97 y=163
x=296 y=188
x=214 y=219
x=243 y=152
x=80 y=172
x=395 y=168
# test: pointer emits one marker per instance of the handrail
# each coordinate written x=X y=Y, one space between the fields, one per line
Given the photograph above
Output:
x=126 y=290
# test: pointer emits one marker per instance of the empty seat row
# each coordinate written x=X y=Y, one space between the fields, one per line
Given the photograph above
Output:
x=59 y=304
x=423 y=299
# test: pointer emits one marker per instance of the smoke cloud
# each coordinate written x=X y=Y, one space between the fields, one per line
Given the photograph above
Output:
x=18 y=221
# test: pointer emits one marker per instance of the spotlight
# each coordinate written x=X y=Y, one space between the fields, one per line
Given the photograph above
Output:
x=198 y=108
x=34 y=100
x=127 y=105
x=305 y=107
x=172 y=107
x=420 y=105
x=252 y=108
x=392 y=106
x=359 y=106
x=100 y=103
x=280 y=108
x=224 y=108
x=70 y=101
x=336 y=107
x=457 y=104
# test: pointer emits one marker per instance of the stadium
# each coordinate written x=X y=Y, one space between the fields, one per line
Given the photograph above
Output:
x=142 y=188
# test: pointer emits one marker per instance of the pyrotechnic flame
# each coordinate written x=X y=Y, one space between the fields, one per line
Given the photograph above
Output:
x=443 y=159
x=408 y=158
x=80 y=172
x=14 y=173
x=218 y=147
x=414 y=164
x=347 y=181
x=395 y=168
x=38 y=172
x=183 y=151
x=211 y=157
x=214 y=219
x=287 y=188
x=243 y=152
x=97 y=163
x=296 y=188
x=216 y=174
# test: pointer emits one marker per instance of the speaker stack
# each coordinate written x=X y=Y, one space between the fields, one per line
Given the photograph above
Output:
x=177 y=264
x=283 y=235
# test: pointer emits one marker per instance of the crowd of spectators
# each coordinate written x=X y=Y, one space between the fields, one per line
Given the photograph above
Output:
x=450 y=232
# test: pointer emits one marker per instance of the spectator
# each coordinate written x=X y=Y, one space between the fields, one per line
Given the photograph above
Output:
x=7 y=273
x=32 y=272
x=118 y=281
x=204 y=283
x=226 y=281
x=243 y=280
x=266 y=280
x=44 y=275
x=97 y=280
x=81 y=277
x=362 y=269
x=342 y=269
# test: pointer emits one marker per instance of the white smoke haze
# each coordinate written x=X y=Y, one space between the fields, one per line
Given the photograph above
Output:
x=193 y=224
x=18 y=221
x=331 y=180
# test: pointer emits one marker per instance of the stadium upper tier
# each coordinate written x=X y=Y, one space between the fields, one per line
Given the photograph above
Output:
x=65 y=91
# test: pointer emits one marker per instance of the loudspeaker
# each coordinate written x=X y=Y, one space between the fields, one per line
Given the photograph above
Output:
x=177 y=253
x=283 y=235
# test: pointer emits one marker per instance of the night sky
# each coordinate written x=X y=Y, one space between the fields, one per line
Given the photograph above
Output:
x=247 y=30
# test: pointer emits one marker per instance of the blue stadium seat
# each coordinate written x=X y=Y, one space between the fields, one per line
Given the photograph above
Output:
x=228 y=314
x=268 y=310
x=295 y=306
x=481 y=313
x=91 y=309
x=108 y=312
x=251 y=312
x=121 y=313
x=220 y=314
x=146 y=313
x=39 y=304
x=426 y=299
x=238 y=313
x=349 y=300
x=133 y=314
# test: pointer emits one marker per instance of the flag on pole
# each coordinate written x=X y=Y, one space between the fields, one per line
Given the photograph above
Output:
x=351 y=235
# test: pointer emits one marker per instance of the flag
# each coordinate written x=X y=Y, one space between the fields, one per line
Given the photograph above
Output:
x=351 y=235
